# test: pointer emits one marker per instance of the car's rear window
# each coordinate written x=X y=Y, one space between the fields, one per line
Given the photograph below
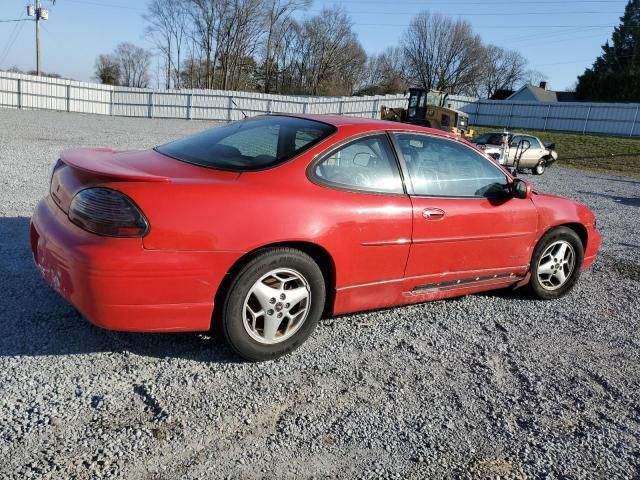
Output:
x=250 y=144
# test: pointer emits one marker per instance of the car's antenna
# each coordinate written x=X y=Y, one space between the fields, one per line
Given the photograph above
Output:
x=236 y=105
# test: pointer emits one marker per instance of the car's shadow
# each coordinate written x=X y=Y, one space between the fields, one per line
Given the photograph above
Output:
x=629 y=201
x=35 y=321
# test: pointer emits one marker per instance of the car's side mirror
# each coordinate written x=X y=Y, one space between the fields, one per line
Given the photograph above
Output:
x=520 y=188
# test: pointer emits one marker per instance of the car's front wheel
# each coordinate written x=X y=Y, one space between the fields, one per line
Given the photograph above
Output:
x=273 y=304
x=556 y=263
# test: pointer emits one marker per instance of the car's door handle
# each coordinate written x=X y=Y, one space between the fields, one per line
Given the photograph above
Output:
x=433 y=214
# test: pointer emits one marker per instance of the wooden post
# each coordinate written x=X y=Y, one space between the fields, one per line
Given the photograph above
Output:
x=189 y=95
x=477 y=114
x=111 y=102
x=270 y=106
x=230 y=108
x=586 y=120
x=68 y=98
x=376 y=108
x=304 y=107
x=340 y=107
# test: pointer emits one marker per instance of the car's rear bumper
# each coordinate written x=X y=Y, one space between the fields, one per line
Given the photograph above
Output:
x=117 y=284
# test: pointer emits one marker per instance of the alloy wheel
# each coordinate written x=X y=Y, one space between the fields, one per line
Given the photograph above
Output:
x=556 y=265
x=276 y=306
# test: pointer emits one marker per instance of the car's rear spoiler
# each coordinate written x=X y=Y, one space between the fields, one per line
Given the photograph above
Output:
x=105 y=162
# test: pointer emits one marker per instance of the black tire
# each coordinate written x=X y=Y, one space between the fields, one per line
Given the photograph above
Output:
x=231 y=318
x=540 y=168
x=552 y=236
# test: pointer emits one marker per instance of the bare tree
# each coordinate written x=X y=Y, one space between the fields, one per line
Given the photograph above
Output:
x=238 y=36
x=134 y=65
x=167 y=27
x=277 y=19
x=384 y=73
x=503 y=69
x=328 y=53
x=534 y=77
x=204 y=22
x=442 y=53
x=107 y=70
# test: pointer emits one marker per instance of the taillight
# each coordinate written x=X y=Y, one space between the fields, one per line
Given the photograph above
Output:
x=107 y=212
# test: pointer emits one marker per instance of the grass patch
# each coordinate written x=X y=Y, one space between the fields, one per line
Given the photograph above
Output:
x=614 y=155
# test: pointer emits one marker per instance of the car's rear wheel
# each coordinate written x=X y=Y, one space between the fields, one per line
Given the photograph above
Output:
x=540 y=167
x=556 y=263
x=273 y=304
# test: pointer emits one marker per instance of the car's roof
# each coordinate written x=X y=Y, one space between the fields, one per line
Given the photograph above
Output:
x=341 y=121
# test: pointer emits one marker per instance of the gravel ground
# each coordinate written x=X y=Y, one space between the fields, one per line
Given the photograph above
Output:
x=485 y=386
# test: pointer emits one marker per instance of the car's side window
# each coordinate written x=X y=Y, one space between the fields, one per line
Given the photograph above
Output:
x=535 y=144
x=365 y=164
x=446 y=168
x=516 y=140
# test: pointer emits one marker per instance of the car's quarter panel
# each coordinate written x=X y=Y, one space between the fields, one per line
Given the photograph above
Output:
x=117 y=284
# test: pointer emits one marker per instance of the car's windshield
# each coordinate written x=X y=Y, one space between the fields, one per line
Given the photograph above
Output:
x=250 y=144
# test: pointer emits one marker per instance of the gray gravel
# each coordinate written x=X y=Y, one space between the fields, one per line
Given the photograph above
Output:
x=485 y=386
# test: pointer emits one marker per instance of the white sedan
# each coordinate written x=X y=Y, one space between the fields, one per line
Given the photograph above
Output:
x=507 y=147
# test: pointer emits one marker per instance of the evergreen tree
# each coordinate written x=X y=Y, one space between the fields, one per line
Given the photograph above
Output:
x=615 y=75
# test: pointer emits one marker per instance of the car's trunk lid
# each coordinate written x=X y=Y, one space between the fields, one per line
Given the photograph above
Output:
x=86 y=167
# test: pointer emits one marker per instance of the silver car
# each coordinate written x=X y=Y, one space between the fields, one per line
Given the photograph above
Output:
x=506 y=147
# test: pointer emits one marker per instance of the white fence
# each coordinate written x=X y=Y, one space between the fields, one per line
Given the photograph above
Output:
x=601 y=118
x=28 y=91
x=31 y=92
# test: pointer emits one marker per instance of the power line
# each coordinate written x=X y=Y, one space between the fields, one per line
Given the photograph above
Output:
x=473 y=14
x=17 y=29
x=493 y=2
x=108 y=5
x=519 y=27
x=575 y=61
x=16 y=20
x=16 y=33
x=559 y=32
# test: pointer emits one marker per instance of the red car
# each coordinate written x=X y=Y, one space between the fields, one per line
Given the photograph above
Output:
x=262 y=226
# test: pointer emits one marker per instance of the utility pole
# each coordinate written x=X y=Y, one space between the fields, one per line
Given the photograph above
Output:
x=38 y=37
x=40 y=14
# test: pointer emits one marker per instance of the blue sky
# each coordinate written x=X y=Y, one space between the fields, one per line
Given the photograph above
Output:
x=559 y=38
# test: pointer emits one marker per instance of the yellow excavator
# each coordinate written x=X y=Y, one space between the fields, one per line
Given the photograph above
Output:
x=429 y=108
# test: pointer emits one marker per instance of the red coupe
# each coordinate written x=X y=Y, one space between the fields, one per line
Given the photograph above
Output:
x=262 y=226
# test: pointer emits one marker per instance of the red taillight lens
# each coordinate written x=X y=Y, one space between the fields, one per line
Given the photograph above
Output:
x=107 y=212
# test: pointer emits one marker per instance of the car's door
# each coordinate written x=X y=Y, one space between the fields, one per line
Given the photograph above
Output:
x=466 y=224
x=530 y=156
x=360 y=193
x=535 y=152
